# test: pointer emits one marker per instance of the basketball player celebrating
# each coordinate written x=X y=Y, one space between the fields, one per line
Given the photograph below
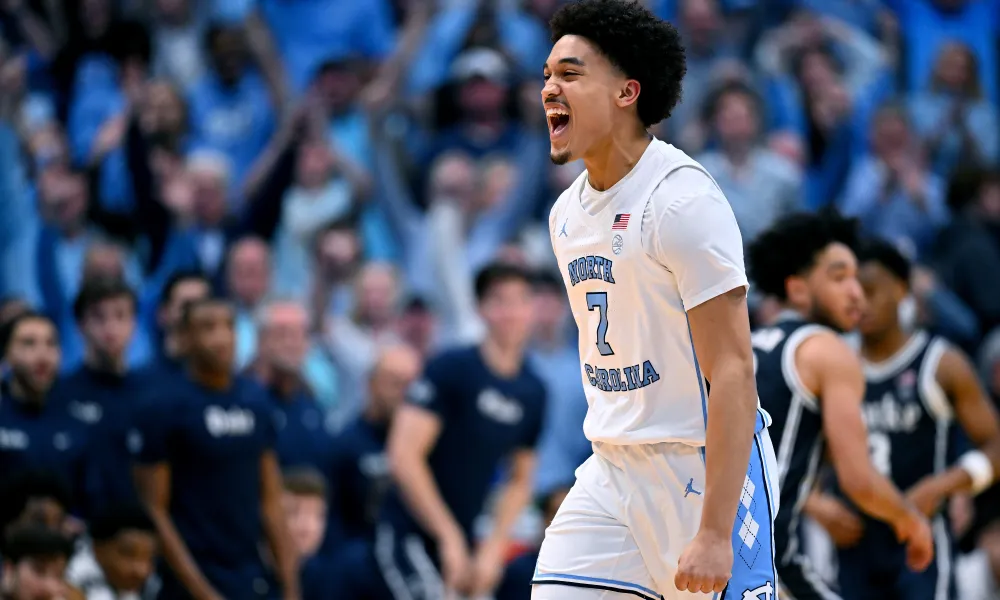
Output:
x=811 y=382
x=653 y=264
x=918 y=385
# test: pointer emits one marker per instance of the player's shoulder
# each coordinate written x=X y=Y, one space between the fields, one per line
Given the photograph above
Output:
x=684 y=183
x=825 y=349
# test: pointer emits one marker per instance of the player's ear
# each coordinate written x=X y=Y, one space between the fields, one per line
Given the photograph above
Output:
x=797 y=291
x=628 y=94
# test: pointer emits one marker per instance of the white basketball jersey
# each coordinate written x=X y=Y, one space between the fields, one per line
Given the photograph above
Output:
x=639 y=370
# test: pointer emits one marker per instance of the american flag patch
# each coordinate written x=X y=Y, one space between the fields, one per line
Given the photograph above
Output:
x=621 y=221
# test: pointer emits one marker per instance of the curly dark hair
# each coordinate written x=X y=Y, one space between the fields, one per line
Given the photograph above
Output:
x=636 y=42
x=792 y=245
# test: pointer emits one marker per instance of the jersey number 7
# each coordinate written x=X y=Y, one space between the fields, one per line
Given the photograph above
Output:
x=599 y=300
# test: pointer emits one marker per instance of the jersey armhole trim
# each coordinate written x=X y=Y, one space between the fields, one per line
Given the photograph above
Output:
x=790 y=370
x=935 y=399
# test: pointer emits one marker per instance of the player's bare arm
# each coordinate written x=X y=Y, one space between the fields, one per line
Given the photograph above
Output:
x=720 y=329
x=153 y=485
x=275 y=527
x=832 y=371
x=513 y=497
x=975 y=470
x=412 y=437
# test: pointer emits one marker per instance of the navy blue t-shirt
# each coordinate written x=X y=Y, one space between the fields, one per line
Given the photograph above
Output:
x=41 y=437
x=304 y=436
x=105 y=404
x=359 y=477
x=213 y=442
x=484 y=418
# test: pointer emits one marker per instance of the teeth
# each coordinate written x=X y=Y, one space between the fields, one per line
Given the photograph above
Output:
x=556 y=112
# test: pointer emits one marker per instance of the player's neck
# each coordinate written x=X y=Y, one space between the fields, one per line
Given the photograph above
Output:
x=210 y=378
x=880 y=348
x=501 y=360
x=612 y=160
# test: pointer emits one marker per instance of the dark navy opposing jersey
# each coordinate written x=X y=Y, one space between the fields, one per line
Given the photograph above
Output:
x=796 y=423
x=908 y=415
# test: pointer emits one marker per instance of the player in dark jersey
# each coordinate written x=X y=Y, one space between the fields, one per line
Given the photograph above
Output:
x=812 y=385
x=917 y=386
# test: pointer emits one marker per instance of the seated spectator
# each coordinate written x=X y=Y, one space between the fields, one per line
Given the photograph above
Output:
x=200 y=441
x=891 y=190
x=34 y=565
x=353 y=340
x=36 y=497
x=760 y=185
x=305 y=502
x=360 y=471
x=38 y=431
x=956 y=123
x=304 y=433
x=248 y=279
x=118 y=561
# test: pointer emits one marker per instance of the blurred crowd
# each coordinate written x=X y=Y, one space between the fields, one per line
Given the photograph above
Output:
x=339 y=171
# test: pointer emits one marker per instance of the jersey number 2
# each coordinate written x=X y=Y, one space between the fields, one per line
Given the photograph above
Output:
x=599 y=300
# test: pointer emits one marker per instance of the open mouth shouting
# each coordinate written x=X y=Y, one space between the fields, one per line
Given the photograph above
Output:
x=558 y=118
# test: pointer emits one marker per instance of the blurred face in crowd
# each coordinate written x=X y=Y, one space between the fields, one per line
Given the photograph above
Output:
x=306 y=519
x=338 y=252
x=229 y=53
x=209 y=195
x=163 y=112
x=988 y=202
x=64 y=199
x=506 y=308
x=829 y=291
x=700 y=19
x=453 y=176
x=955 y=70
x=397 y=368
x=736 y=120
x=95 y=16
x=36 y=578
x=891 y=135
x=549 y=309
x=283 y=336
x=883 y=293
x=172 y=11
x=498 y=179
x=184 y=292
x=33 y=355
x=314 y=165
x=42 y=510
x=816 y=71
x=482 y=98
x=104 y=261
x=108 y=327
x=338 y=86
x=127 y=559
x=416 y=327
x=210 y=338
x=376 y=294
x=249 y=271
x=581 y=98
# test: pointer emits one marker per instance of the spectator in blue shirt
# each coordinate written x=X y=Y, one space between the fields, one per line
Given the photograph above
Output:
x=36 y=430
x=955 y=121
x=230 y=107
x=891 y=191
x=474 y=408
x=200 y=442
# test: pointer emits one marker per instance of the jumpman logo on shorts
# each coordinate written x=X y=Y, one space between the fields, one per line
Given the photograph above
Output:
x=690 y=489
x=562 y=232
